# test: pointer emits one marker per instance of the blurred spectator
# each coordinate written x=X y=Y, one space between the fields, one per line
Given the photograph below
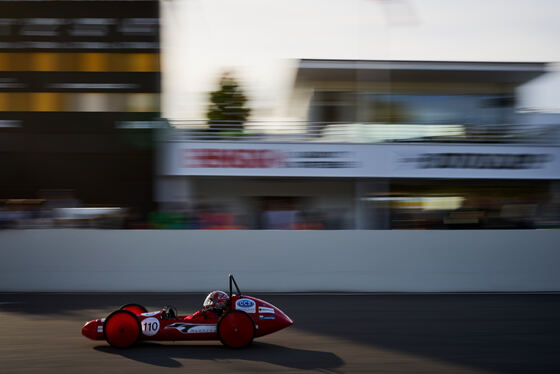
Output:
x=280 y=214
x=309 y=221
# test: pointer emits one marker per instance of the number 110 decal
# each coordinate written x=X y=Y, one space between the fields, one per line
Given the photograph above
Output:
x=150 y=326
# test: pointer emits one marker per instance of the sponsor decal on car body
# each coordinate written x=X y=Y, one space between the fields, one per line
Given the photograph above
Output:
x=246 y=305
x=192 y=328
x=267 y=317
x=264 y=309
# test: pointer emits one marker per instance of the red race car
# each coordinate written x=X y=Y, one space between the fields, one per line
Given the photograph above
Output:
x=234 y=319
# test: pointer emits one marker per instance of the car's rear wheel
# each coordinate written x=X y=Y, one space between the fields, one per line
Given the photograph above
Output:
x=134 y=308
x=122 y=329
x=236 y=329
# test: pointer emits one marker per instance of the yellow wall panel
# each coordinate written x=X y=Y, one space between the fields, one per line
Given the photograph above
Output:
x=143 y=62
x=47 y=102
x=44 y=61
x=19 y=61
x=4 y=62
x=93 y=61
x=4 y=101
x=78 y=102
x=69 y=62
x=118 y=62
x=19 y=101
x=88 y=62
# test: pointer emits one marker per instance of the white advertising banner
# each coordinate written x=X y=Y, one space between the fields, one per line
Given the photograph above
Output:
x=360 y=160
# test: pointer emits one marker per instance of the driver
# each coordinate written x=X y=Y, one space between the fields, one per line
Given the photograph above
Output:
x=216 y=301
x=212 y=308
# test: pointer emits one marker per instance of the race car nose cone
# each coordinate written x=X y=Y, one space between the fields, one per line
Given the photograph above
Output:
x=283 y=320
x=90 y=330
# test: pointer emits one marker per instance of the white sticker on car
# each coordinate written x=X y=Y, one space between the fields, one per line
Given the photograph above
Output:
x=150 y=326
x=264 y=309
x=246 y=305
x=191 y=328
x=201 y=329
x=149 y=314
x=99 y=328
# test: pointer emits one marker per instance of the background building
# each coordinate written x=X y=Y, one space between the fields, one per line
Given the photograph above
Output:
x=79 y=85
x=378 y=145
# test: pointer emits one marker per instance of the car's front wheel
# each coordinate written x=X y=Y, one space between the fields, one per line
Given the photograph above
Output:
x=236 y=329
x=122 y=329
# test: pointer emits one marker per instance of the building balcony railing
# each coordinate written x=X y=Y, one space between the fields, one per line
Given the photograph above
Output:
x=345 y=132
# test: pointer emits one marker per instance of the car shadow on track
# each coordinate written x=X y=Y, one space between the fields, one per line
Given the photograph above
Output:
x=167 y=355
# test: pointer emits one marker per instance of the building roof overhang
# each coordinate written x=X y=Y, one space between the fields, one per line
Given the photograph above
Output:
x=515 y=73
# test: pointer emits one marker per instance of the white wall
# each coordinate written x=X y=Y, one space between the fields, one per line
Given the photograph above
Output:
x=153 y=260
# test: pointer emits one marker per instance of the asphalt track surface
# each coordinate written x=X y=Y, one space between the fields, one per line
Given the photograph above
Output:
x=489 y=333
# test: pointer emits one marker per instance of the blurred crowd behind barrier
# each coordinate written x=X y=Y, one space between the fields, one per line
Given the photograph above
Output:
x=41 y=213
x=489 y=208
x=414 y=207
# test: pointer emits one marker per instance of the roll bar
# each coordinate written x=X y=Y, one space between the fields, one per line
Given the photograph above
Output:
x=231 y=282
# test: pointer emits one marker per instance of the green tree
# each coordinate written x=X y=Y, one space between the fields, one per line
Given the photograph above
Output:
x=227 y=107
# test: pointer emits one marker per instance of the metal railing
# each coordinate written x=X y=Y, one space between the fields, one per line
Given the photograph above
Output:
x=345 y=132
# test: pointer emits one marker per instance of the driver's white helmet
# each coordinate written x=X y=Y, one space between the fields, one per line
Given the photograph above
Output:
x=216 y=300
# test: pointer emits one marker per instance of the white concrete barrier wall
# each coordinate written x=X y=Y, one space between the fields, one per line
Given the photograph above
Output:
x=387 y=261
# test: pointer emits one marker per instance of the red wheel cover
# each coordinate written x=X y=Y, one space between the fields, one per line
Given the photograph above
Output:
x=121 y=329
x=236 y=329
x=134 y=308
